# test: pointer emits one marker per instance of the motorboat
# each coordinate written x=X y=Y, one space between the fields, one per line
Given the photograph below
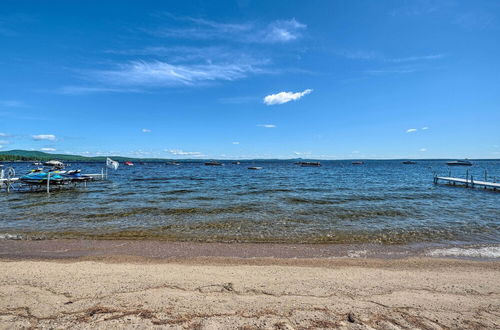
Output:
x=235 y=163
x=128 y=163
x=409 y=162
x=213 y=163
x=309 y=164
x=358 y=163
x=255 y=168
x=54 y=164
x=172 y=163
x=459 y=163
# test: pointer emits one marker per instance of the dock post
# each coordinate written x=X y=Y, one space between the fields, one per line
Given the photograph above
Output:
x=485 y=175
x=48 y=183
x=449 y=173
x=467 y=178
x=102 y=174
x=472 y=181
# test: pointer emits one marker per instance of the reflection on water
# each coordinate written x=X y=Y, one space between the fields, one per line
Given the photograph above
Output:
x=380 y=201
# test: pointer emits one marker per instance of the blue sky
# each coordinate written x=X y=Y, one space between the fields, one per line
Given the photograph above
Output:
x=252 y=79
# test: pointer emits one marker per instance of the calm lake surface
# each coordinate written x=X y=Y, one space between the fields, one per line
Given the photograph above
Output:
x=378 y=202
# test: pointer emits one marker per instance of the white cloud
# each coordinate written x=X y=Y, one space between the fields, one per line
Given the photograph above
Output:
x=425 y=128
x=48 y=137
x=284 y=97
x=183 y=153
x=298 y=153
x=163 y=74
x=4 y=142
x=423 y=149
x=417 y=58
x=355 y=152
x=11 y=103
x=3 y=134
x=283 y=31
x=411 y=130
x=48 y=149
x=235 y=142
x=278 y=31
x=1 y=147
x=145 y=130
x=267 y=125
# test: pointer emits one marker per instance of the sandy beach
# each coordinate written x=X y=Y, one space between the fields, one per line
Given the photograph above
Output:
x=221 y=292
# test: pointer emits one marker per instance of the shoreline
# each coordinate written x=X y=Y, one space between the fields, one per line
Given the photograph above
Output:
x=159 y=249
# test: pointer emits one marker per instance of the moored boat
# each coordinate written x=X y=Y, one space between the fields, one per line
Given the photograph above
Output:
x=409 y=162
x=459 y=163
x=128 y=163
x=358 y=163
x=213 y=163
x=255 y=168
x=309 y=164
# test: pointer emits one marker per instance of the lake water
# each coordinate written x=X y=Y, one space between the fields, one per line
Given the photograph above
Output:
x=378 y=202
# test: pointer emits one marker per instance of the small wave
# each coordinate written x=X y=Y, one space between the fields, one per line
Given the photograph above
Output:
x=177 y=192
x=10 y=237
x=298 y=200
x=160 y=179
x=473 y=252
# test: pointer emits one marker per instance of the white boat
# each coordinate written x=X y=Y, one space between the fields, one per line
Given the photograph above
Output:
x=255 y=168
x=459 y=163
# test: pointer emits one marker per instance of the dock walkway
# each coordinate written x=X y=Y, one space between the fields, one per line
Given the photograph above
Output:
x=469 y=182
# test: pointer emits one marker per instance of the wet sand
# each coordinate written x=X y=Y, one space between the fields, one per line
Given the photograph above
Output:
x=75 y=284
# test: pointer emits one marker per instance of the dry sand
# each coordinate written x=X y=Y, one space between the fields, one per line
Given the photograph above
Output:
x=230 y=293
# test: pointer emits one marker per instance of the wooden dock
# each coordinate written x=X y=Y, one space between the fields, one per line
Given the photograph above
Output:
x=468 y=182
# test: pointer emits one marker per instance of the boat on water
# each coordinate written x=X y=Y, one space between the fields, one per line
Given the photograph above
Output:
x=37 y=164
x=128 y=163
x=358 y=163
x=309 y=164
x=172 y=163
x=54 y=164
x=459 y=163
x=213 y=163
x=235 y=163
x=409 y=162
x=255 y=168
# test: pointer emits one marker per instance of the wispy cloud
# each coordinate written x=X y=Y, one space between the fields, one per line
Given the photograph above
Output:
x=3 y=134
x=267 y=125
x=48 y=149
x=145 y=130
x=46 y=137
x=279 y=31
x=423 y=149
x=418 y=7
x=4 y=142
x=150 y=74
x=81 y=90
x=416 y=58
x=476 y=20
x=411 y=130
x=285 y=97
x=235 y=142
x=425 y=128
x=179 y=152
x=12 y=104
